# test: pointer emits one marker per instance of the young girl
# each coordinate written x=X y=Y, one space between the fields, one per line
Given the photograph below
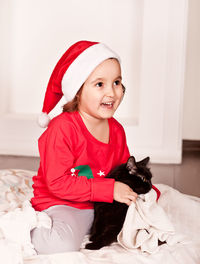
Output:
x=80 y=146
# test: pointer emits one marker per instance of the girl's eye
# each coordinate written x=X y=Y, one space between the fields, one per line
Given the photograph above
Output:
x=99 y=84
x=117 y=82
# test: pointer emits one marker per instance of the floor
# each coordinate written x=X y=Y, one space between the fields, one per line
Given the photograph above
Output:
x=184 y=177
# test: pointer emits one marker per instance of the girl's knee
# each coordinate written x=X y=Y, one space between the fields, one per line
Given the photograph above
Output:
x=50 y=241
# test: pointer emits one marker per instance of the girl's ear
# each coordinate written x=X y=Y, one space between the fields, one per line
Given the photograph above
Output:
x=131 y=165
x=144 y=162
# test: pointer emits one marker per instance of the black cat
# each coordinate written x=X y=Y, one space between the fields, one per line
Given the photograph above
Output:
x=109 y=217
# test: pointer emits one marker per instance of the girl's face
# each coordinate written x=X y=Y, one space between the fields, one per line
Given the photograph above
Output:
x=102 y=92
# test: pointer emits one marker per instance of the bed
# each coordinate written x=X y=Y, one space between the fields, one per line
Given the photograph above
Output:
x=17 y=218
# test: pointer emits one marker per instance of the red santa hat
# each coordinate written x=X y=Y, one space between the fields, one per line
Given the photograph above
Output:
x=71 y=71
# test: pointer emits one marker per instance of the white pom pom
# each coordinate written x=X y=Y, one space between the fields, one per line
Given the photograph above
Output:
x=43 y=120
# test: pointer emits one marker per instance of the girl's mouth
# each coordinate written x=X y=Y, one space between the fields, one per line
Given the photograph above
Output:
x=107 y=105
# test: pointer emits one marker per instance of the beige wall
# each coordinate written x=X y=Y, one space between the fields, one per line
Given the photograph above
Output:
x=191 y=112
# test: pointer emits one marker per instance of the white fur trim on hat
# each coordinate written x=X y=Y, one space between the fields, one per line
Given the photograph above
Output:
x=43 y=120
x=80 y=69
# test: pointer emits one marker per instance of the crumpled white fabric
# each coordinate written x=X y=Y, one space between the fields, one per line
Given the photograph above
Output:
x=15 y=228
x=145 y=224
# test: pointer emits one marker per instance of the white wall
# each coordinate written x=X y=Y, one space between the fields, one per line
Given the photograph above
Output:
x=191 y=113
x=43 y=30
x=5 y=54
x=150 y=37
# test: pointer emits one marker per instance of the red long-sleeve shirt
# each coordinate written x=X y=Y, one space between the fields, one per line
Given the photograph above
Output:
x=73 y=163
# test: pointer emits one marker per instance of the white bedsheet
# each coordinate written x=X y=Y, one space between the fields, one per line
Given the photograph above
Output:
x=15 y=191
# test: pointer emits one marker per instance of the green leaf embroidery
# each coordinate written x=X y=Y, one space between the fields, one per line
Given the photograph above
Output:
x=85 y=170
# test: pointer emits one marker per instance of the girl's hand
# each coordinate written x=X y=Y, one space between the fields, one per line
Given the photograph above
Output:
x=123 y=193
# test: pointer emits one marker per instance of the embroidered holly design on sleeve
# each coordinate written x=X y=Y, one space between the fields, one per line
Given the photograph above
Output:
x=82 y=170
x=85 y=170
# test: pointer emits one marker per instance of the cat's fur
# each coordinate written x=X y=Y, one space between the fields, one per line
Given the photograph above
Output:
x=109 y=217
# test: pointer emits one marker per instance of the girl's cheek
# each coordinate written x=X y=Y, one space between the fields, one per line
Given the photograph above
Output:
x=120 y=92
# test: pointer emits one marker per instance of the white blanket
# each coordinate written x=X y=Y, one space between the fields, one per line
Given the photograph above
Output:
x=17 y=218
x=146 y=224
x=15 y=228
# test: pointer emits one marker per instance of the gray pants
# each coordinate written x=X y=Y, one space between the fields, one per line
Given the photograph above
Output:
x=69 y=226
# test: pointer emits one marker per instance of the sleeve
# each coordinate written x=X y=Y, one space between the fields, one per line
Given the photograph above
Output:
x=57 y=159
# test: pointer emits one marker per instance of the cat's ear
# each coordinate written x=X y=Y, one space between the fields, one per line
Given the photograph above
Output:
x=143 y=162
x=131 y=165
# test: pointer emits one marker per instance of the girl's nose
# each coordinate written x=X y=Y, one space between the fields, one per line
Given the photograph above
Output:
x=110 y=91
